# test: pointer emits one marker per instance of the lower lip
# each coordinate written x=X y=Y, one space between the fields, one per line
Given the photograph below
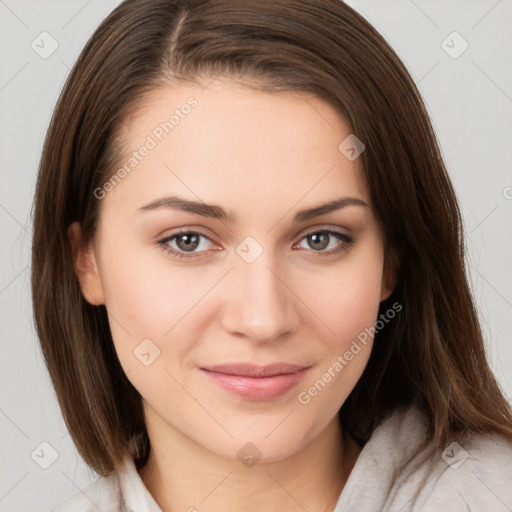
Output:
x=257 y=388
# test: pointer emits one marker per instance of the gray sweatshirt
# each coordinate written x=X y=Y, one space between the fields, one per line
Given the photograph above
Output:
x=476 y=477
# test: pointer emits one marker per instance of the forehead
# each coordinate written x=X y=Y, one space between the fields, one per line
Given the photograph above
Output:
x=230 y=144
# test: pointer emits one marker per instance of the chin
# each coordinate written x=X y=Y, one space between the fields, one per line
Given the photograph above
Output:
x=256 y=447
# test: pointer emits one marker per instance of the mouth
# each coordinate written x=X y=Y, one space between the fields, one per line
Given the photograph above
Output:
x=253 y=382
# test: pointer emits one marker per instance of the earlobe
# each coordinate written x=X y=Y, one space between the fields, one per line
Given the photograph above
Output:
x=85 y=266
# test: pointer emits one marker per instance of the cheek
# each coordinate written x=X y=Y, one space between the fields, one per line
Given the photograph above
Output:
x=148 y=299
x=345 y=299
x=146 y=295
x=349 y=307
x=347 y=304
x=322 y=395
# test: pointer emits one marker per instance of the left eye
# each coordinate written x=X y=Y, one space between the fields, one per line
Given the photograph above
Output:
x=319 y=241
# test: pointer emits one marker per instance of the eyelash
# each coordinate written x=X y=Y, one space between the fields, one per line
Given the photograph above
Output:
x=346 y=239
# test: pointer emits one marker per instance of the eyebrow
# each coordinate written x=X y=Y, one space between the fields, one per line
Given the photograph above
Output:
x=217 y=212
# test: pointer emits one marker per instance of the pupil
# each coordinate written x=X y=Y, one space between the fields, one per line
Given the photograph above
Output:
x=191 y=242
x=319 y=240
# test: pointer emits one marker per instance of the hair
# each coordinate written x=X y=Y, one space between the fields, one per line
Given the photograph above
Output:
x=432 y=355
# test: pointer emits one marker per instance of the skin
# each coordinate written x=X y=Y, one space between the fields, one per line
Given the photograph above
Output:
x=264 y=157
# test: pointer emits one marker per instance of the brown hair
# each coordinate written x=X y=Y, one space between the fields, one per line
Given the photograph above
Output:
x=432 y=355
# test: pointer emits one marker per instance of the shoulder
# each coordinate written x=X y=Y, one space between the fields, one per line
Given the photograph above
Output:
x=102 y=494
x=392 y=475
x=121 y=491
x=471 y=476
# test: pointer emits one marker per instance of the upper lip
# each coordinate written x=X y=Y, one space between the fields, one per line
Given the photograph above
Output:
x=252 y=370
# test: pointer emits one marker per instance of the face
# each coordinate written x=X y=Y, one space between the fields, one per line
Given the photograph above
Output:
x=234 y=295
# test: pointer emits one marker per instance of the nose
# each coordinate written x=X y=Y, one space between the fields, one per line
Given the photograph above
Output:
x=260 y=304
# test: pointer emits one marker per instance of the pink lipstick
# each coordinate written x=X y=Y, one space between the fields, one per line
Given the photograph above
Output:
x=253 y=382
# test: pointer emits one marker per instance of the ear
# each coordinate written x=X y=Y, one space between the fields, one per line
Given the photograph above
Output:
x=85 y=266
x=389 y=276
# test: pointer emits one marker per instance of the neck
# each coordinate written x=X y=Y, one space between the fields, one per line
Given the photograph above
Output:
x=181 y=475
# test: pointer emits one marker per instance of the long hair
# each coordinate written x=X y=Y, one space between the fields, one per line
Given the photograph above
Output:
x=432 y=355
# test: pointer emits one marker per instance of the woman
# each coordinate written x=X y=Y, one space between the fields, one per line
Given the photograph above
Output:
x=248 y=274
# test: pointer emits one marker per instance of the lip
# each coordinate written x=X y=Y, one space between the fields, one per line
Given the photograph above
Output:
x=253 y=382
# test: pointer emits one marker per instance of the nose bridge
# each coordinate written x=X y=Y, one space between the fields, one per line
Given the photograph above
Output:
x=261 y=306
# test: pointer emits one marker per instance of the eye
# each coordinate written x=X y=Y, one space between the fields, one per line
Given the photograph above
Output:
x=194 y=244
x=319 y=241
x=185 y=244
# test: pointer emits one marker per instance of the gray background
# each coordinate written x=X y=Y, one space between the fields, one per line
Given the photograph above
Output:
x=469 y=99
